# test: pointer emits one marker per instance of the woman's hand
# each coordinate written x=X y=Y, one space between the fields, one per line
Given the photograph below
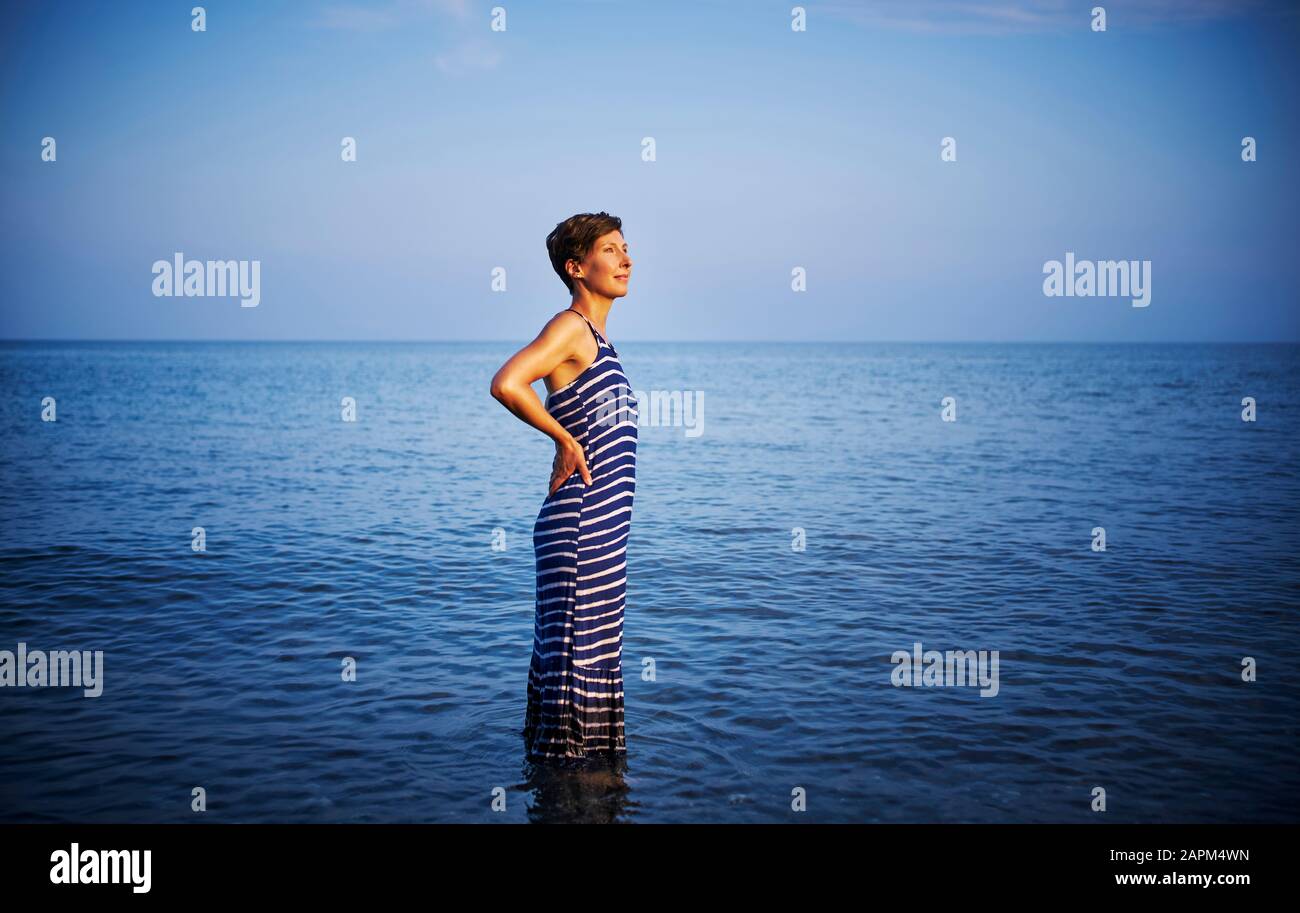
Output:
x=569 y=458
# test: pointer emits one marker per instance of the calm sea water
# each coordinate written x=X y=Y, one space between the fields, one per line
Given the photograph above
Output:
x=771 y=666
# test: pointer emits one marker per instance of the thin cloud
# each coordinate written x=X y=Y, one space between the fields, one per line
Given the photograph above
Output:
x=1024 y=16
x=355 y=17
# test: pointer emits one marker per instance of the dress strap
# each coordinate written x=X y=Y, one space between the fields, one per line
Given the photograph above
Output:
x=599 y=338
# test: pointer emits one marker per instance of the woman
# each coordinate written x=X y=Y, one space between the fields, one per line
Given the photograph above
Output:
x=575 y=678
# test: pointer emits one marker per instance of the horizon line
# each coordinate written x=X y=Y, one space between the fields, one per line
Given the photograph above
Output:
x=1244 y=342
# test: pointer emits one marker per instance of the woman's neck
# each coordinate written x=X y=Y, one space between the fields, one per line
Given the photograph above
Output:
x=594 y=309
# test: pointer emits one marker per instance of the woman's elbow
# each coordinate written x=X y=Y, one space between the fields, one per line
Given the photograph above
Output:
x=498 y=388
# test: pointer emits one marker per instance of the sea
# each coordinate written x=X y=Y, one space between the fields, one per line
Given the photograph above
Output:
x=308 y=571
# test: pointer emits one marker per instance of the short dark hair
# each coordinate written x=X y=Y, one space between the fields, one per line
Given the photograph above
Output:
x=573 y=239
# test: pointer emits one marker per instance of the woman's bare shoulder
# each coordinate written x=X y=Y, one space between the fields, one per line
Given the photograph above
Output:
x=567 y=317
x=563 y=327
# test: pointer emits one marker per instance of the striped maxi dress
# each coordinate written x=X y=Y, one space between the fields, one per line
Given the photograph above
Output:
x=575 y=678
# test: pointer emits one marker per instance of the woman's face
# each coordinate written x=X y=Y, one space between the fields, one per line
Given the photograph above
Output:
x=608 y=268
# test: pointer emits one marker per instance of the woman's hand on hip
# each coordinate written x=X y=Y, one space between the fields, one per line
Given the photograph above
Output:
x=569 y=459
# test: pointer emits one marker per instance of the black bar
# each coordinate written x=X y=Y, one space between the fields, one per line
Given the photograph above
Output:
x=331 y=862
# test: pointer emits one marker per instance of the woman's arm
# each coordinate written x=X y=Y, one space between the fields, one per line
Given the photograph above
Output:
x=512 y=386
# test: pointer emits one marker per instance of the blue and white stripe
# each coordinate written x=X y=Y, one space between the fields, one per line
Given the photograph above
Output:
x=575 y=679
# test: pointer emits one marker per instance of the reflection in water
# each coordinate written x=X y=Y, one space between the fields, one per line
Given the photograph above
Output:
x=574 y=791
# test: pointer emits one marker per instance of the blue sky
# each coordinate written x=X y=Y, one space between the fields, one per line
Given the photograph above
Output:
x=775 y=150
